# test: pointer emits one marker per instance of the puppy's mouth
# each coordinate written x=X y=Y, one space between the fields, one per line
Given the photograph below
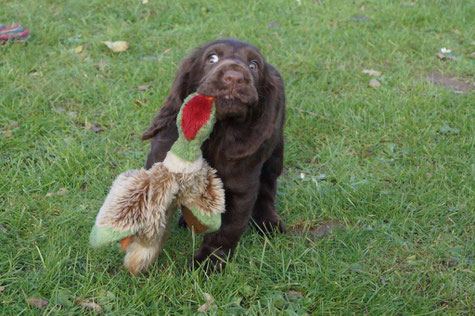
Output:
x=233 y=99
x=228 y=94
x=228 y=106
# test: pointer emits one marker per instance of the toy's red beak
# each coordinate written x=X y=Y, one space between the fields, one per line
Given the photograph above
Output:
x=195 y=114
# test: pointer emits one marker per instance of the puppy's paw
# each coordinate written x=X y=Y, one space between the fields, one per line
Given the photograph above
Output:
x=210 y=262
x=270 y=226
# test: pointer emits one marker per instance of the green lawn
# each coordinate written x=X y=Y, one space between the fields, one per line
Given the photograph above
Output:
x=393 y=165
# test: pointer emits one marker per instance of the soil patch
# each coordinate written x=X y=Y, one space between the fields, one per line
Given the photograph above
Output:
x=453 y=83
x=317 y=230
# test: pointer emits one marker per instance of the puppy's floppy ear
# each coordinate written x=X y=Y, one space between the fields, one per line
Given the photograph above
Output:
x=271 y=103
x=182 y=86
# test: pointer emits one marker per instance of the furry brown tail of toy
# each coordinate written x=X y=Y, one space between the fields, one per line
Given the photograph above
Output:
x=141 y=253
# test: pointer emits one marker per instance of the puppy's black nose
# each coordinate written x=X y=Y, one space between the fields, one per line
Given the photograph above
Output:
x=233 y=78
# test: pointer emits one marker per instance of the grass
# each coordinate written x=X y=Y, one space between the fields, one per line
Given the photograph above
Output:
x=400 y=178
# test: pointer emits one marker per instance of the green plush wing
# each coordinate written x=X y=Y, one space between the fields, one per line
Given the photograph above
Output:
x=103 y=236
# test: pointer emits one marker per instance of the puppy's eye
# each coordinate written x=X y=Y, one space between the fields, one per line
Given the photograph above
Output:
x=213 y=58
x=253 y=65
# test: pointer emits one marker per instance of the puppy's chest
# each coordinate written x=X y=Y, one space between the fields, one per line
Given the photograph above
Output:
x=214 y=153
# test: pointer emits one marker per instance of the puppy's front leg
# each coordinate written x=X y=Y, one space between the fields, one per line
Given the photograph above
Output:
x=217 y=246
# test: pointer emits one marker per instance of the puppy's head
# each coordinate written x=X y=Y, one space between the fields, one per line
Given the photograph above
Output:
x=230 y=70
x=236 y=74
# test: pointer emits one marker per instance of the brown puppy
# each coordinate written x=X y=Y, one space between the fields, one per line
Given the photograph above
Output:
x=246 y=146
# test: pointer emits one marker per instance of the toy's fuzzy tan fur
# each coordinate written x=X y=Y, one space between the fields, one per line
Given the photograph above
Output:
x=176 y=164
x=143 y=201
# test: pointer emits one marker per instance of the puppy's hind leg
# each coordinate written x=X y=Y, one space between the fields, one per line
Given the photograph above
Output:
x=264 y=214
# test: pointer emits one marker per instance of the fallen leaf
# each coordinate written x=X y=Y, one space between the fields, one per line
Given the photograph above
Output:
x=374 y=83
x=14 y=124
x=206 y=306
x=91 y=305
x=62 y=191
x=371 y=72
x=95 y=128
x=143 y=87
x=293 y=295
x=79 y=49
x=456 y=32
x=362 y=8
x=37 y=302
x=118 y=46
x=49 y=194
x=472 y=54
x=2 y=288
x=73 y=114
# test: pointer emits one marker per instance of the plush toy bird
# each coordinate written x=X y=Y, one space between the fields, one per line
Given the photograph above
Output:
x=140 y=204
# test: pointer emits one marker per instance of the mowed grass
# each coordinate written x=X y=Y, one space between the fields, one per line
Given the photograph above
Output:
x=392 y=165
